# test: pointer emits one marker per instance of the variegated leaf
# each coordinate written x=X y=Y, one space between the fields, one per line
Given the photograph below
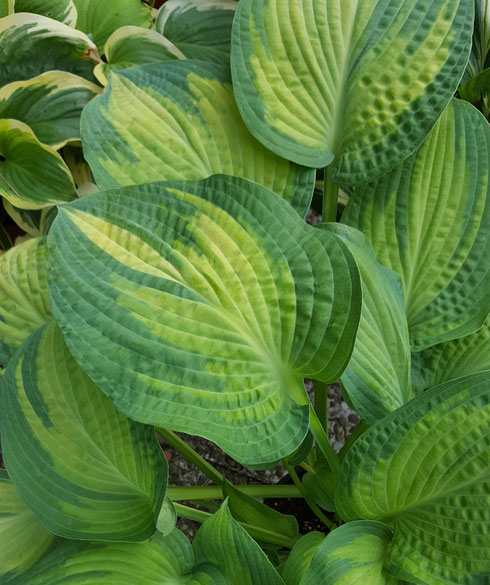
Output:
x=61 y=10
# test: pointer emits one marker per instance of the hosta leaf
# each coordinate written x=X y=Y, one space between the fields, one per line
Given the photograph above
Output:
x=101 y=19
x=87 y=471
x=223 y=542
x=167 y=517
x=424 y=470
x=62 y=10
x=50 y=104
x=6 y=7
x=319 y=484
x=130 y=46
x=179 y=120
x=201 y=29
x=477 y=91
x=24 y=295
x=32 y=44
x=201 y=306
x=358 y=83
x=377 y=378
x=429 y=220
x=23 y=539
x=353 y=553
x=32 y=221
x=452 y=359
x=32 y=175
x=481 y=40
x=300 y=557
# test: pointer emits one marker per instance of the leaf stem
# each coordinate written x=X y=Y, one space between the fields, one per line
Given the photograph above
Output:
x=191 y=455
x=321 y=404
x=330 y=197
x=323 y=443
x=176 y=493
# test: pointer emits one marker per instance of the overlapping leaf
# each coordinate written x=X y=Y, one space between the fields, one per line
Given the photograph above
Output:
x=24 y=296
x=300 y=558
x=429 y=220
x=32 y=175
x=201 y=306
x=201 y=29
x=377 y=378
x=357 y=83
x=481 y=41
x=23 y=539
x=50 y=104
x=62 y=10
x=178 y=120
x=32 y=44
x=424 y=470
x=87 y=471
x=33 y=222
x=130 y=46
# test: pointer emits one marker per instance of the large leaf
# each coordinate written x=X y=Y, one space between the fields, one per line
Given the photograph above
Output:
x=62 y=10
x=32 y=44
x=23 y=539
x=377 y=378
x=101 y=19
x=353 y=553
x=87 y=471
x=32 y=175
x=424 y=470
x=130 y=46
x=179 y=120
x=300 y=557
x=24 y=296
x=359 y=83
x=201 y=306
x=429 y=220
x=452 y=359
x=201 y=29
x=50 y=104
x=223 y=542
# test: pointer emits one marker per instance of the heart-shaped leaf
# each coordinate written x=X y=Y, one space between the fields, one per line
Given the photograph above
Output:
x=62 y=10
x=201 y=29
x=50 y=104
x=424 y=470
x=179 y=120
x=300 y=557
x=429 y=221
x=359 y=83
x=23 y=539
x=32 y=175
x=87 y=471
x=200 y=306
x=32 y=44
x=377 y=379
x=24 y=295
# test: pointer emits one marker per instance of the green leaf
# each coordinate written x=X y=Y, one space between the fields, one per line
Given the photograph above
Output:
x=32 y=44
x=201 y=29
x=429 y=221
x=32 y=221
x=50 y=104
x=179 y=120
x=24 y=295
x=6 y=7
x=23 y=539
x=481 y=40
x=101 y=19
x=353 y=553
x=452 y=359
x=320 y=485
x=130 y=46
x=167 y=517
x=357 y=83
x=223 y=542
x=87 y=471
x=300 y=557
x=424 y=470
x=477 y=91
x=62 y=10
x=200 y=306
x=32 y=175
x=377 y=379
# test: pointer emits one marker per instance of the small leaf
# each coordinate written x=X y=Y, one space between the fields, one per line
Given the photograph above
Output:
x=32 y=175
x=320 y=485
x=481 y=40
x=29 y=220
x=300 y=557
x=167 y=517
x=87 y=471
x=179 y=120
x=201 y=29
x=62 y=10
x=223 y=542
x=429 y=221
x=50 y=104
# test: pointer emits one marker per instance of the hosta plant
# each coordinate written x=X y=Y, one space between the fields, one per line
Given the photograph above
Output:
x=157 y=276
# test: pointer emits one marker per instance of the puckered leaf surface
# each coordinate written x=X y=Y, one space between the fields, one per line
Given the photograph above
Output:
x=87 y=471
x=179 y=120
x=359 y=83
x=429 y=221
x=424 y=470
x=201 y=306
